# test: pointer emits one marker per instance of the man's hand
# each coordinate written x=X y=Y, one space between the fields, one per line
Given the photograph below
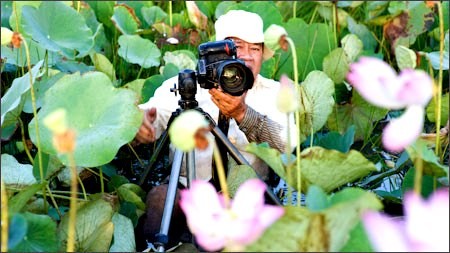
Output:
x=230 y=106
x=147 y=132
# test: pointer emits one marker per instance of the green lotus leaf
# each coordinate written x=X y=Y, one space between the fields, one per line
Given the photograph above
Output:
x=124 y=20
x=444 y=110
x=16 y=174
x=20 y=200
x=135 y=49
x=302 y=230
x=150 y=86
x=37 y=53
x=71 y=32
x=352 y=46
x=40 y=87
x=103 y=11
x=359 y=113
x=331 y=169
x=51 y=166
x=40 y=235
x=124 y=239
x=183 y=59
x=17 y=229
x=342 y=217
x=126 y=194
x=237 y=175
x=15 y=20
x=93 y=219
x=316 y=102
x=363 y=33
x=326 y=10
x=20 y=85
x=430 y=162
x=406 y=58
x=336 y=65
x=136 y=86
x=153 y=15
x=100 y=241
x=312 y=43
x=435 y=56
x=103 y=64
x=328 y=169
x=104 y=118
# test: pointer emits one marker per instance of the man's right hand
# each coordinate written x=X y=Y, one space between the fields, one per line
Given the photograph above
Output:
x=147 y=132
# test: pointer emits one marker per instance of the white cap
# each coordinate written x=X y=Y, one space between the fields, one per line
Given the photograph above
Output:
x=247 y=26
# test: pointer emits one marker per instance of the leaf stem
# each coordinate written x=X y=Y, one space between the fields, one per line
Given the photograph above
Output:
x=439 y=86
x=73 y=204
x=418 y=163
x=25 y=146
x=297 y=117
x=221 y=174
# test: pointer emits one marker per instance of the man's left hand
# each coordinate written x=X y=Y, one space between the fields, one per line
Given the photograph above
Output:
x=230 y=106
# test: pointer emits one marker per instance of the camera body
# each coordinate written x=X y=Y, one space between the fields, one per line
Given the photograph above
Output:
x=218 y=66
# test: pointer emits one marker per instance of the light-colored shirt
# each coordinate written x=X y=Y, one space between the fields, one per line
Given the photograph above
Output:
x=262 y=123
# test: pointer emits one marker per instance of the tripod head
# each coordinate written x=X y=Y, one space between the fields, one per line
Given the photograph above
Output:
x=187 y=86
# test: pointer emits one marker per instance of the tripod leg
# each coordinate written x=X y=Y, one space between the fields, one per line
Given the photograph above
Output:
x=240 y=159
x=162 y=236
x=164 y=141
x=190 y=167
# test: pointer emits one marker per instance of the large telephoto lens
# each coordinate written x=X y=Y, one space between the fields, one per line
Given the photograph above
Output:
x=234 y=77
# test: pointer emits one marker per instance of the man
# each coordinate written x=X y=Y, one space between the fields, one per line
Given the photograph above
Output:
x=254 y=115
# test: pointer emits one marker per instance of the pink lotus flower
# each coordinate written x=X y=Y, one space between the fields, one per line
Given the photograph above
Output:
x=216 y=226
x=379 y=84
x=425 y=226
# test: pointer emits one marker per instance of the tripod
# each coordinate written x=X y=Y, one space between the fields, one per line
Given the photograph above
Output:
x=187 y=89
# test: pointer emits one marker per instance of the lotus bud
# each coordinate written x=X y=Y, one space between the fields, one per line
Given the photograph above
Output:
x=275 y=38
x=287 y=98
x=56 y=121
x=188 y=131
x=63 y=137
x=6 y=36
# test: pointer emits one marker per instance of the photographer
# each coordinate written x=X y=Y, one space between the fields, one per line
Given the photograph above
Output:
x=253 y=115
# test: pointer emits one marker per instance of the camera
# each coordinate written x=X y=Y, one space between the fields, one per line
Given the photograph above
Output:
x=218 y=66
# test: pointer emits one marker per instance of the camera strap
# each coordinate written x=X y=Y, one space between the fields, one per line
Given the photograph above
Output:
x=223 y=124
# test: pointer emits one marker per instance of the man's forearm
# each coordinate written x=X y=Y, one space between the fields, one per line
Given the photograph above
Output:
x=259 y=128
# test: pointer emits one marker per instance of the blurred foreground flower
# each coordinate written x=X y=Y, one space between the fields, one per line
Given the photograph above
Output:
x=287 y=98
x=8 y=36
x=425 y=226
x=63 y=137
x=379 y=84
x=188 y=130
x=216 y=226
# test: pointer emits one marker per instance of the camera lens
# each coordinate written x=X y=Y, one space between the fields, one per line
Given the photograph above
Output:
x=232 y=76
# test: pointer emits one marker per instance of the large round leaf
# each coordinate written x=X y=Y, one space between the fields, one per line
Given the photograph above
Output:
x=58 y=28
x=316 y=102
x=302 y=230
x=40 y=234
x=135 y=49
x=336 y=65
x=103 y=117
x=312 y=43
x=16 y=174
x=94 y=228
x=359 y=113
x=328 y=169
x=124 y=20
x=20 y=85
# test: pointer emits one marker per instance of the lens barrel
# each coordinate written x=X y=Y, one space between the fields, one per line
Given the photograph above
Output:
x=234 y=77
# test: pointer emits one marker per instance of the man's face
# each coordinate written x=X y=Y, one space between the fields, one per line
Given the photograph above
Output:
x=250 y=53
